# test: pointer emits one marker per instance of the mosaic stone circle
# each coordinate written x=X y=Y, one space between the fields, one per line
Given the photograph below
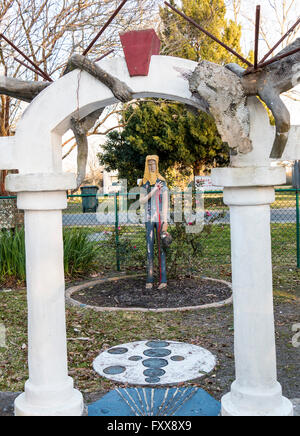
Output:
x=154 y=362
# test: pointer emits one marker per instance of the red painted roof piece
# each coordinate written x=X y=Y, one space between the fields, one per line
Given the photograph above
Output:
x=139 y=46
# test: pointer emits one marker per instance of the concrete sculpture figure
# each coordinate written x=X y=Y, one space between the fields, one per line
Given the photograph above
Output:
x=154 y=196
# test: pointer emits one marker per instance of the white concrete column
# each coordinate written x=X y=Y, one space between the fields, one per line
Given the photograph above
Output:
x=49 y=391
x=255 y=391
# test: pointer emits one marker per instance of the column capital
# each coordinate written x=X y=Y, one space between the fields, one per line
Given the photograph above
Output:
x=40 y=182
x=41 y=191
x=248 y=176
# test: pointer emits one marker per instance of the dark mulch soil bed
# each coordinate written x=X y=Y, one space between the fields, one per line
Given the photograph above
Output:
x=132 y=293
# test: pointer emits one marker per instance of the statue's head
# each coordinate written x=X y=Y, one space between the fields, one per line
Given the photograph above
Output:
x=152 y=162
x=151 y=170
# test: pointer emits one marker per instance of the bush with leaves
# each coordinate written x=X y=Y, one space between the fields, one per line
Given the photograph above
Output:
x=12 y=255
x=125 y=246
x=80 y=255
x=185 y=253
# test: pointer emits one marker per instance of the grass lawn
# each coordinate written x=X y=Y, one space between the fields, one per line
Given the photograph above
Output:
x=212 y=329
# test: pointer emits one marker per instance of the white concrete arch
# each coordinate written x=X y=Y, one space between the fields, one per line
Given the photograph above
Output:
x=38 y=135
x=41 y=186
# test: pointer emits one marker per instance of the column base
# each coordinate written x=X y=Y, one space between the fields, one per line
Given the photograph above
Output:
x=231 y=409
x=74 y=406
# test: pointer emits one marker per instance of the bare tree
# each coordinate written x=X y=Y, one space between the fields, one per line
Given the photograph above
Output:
x=285 y=14
x=277 y=17
x=235 y=7
x=48 y=32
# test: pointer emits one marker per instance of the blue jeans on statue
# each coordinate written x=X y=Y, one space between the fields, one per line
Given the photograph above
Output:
x=150 y=227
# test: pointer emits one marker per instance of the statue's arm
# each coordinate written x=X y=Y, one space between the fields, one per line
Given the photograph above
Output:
x=143 y=198
x=146 y=197
x=165 y=207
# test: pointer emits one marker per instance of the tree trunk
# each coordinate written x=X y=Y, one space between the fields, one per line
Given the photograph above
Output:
x=197 y=167
x=4 y=131
x=10 y=216
x=3 y=174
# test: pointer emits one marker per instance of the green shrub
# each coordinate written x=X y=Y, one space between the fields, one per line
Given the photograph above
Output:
x=12 y=255
x=187 y=250
x=80 y=254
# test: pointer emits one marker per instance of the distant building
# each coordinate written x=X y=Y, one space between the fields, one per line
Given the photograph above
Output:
x=110 y=182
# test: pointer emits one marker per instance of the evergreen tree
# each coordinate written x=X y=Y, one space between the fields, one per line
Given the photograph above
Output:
x=169 y=130
x=182 y=39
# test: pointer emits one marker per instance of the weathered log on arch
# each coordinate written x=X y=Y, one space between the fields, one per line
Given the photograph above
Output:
x=27 y=91
x=80 y=127
x=21 y=89
x=226 y=98
x=271 y=81
x=226 y=90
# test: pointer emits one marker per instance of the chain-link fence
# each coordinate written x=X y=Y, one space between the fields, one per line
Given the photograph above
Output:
x=285 y=225
x=118 y=227
x=114 y=222
x=10 y=216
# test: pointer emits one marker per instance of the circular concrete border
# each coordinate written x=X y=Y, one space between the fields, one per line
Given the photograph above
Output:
x=71 y=301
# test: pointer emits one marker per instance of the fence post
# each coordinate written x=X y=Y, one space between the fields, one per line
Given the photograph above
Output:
x=116 y=197
x=297 y=228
